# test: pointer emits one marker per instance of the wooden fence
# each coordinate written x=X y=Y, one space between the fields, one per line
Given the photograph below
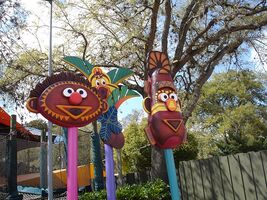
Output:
x=235 y=177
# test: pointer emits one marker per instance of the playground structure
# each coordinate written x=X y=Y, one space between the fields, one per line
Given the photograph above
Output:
x=25 y=139
x=28 y=169
x=22 y=133
x=85 y=174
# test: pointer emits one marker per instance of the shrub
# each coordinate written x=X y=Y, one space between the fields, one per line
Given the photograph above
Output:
x=100 y=195
x=156 y=190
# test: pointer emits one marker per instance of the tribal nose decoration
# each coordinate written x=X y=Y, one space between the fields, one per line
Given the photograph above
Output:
x=66 y=100
x=165 y=123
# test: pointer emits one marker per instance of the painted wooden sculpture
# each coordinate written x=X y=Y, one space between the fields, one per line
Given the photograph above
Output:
x=165 y=123
x=107 y=87
x=106 y=84
x=66 y=99
x=165 y=127
x=111 y=129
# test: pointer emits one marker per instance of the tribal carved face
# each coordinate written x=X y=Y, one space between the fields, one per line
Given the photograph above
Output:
x=165 y=122
x=68 y=102
x=101 y=81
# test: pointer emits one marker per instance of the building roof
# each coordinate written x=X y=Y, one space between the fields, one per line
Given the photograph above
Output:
x=22 y=132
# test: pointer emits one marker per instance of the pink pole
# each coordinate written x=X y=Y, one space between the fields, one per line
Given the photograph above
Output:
x=72 y=182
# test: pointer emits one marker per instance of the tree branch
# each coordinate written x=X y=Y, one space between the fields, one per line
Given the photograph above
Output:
x=221 y=51
x=153 y=29
x=165 y=34
x=189 y=53
x=191 y=10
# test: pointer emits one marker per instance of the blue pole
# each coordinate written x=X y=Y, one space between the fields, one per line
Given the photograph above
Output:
x=173 y=180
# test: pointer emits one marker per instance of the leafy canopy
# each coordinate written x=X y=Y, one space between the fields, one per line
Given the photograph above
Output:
x=233 y=108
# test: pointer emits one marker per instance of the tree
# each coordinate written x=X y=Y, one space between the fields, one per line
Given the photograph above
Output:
x=198 y=35
x=12 y=20
x=38 y=123
x=232 y=108
x=188 y=150
x=136 y=151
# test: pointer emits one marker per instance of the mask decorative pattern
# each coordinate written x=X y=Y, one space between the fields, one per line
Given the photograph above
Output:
x=66 y=99
x=165 y=123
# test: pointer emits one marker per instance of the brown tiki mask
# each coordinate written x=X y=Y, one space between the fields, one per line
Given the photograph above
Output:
x=165 y=123
x=66 y=99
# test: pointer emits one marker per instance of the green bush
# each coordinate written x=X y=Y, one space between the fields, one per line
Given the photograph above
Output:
x=156 y=190
x=100 y=195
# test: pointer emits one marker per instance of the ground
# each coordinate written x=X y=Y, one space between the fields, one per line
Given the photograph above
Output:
x=36 y=197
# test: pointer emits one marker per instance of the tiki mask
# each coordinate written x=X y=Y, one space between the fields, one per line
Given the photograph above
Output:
x=165 y=123
x=106 y=86
x=66 y=99
x=101 y=81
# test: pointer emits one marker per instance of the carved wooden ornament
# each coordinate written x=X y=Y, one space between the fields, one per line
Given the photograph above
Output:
x=107 y=87
x=165 y=122
x=67 y=100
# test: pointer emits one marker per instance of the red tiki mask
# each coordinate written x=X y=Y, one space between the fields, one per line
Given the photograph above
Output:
x=66 y=99
x=165 y=123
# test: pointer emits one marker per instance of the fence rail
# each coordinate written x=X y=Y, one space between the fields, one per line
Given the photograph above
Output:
x=238 y=177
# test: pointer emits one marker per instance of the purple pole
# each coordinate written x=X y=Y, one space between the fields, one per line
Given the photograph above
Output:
x=72 y=181
x=110 y=178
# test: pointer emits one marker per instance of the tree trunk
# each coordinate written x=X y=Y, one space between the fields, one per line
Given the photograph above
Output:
x=158 y=165
x=119 y=168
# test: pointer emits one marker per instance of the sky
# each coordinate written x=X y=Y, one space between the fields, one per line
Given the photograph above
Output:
x=40 y=11
x=40 y=16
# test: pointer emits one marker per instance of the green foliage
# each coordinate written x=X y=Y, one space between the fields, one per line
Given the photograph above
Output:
x=84 y=145
x=233 y=109
x=99 y=195
x=156 y=190
x=136 y=152
x=188 y=150
x=38 y=123
x=206 y=145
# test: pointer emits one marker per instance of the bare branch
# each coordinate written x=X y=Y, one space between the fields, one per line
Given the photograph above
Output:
x=165 y=34
x=153 y=27
x=221 y=51
x=257 y=51
x=190 y=13
x=189 y=53
x=76 y=31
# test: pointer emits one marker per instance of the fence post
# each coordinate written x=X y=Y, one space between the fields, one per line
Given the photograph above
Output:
x=12 y=162
x=43 y=162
